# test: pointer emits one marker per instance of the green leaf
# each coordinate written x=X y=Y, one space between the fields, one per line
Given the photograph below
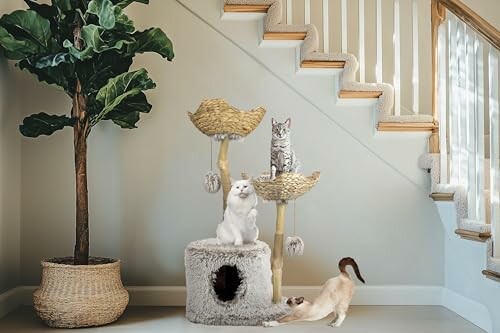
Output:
x=152 y=40
x=45 y=11
x=51 y=60
x=30 y=25
x=16 y=49
x=125 y=3
x=95 y=72
x=44 y=124
x=123 y=22
x=119 y=88
x=97 y=40
x=103 y=9
x=63 y=5
x=126 y=114
x=61 y=76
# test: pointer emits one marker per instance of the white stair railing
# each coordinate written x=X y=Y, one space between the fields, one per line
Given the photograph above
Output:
x=468 y=108
x=395 y=25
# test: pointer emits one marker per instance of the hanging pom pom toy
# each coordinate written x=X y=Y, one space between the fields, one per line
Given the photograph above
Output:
x=212 y=181
x=294 y=245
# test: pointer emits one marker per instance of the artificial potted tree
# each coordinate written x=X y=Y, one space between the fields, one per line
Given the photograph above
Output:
x=85 y=47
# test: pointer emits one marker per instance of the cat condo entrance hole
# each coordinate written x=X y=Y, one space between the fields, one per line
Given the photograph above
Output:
x=227 y=282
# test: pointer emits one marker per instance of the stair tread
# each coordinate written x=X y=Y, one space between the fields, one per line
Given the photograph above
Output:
x=473 y=235
x=439 y=196
x=287 y=35
x=359 y=94
x=322 y=64
x=388 y=126
x=246 y=8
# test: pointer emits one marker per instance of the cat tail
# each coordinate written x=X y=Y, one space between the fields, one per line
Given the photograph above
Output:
x=349 y=261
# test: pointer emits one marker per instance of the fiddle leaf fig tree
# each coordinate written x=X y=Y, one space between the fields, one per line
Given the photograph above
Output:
x=85 y=48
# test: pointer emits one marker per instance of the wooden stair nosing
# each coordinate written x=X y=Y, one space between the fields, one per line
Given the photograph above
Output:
x=246 y=8
x=437 y=196
x=351 y=94
x=491 y=275
x=322 y=64
x=473 y=235
x=287 y=35
x=386 y=126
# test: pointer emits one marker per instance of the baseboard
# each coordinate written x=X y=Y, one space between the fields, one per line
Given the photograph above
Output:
x=468 y=309
x=365 y=295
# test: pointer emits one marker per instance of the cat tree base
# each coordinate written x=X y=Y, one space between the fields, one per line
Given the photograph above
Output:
x=230 y=285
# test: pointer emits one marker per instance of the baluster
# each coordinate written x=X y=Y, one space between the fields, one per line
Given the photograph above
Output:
x=397 y=59
x=494 y=149
x=288 y=11
x=470 y=124
x=343 y=11
x=453 y=104
x=479 y=111
x=378 y=66
x=326 y=29
x=307 y=11
x=461 y=96
x=442 y=57
x=361 y=28
x=415 y=74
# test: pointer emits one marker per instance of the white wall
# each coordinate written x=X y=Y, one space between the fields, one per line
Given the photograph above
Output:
x=146 y=197
x=10 y=175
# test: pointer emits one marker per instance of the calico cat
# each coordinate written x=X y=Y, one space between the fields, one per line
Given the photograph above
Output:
x=283 y=157
x=238 y=225
x=335 y=296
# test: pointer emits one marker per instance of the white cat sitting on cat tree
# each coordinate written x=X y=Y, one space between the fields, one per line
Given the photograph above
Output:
x=238 y=225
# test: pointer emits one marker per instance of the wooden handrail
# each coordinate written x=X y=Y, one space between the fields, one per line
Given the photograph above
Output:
x=473 y=20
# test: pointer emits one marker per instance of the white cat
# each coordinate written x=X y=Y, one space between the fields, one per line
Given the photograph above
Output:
x=238 y=225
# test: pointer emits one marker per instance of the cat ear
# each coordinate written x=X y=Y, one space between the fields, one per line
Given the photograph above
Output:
x=232 y=181
x=300 y=300
x=274 y=122
x=288 y=122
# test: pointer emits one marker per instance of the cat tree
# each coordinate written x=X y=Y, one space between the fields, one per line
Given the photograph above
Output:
x=226 y=284
x=285 y=187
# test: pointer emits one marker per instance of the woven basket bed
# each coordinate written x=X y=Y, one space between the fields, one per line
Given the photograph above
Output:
x=287 y=186
x=216 y=116
x=80 y=296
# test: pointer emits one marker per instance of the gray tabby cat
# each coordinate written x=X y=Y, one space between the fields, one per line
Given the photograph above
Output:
x=283 y=159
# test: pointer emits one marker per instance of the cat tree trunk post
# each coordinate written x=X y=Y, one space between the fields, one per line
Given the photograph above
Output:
x=277 y=261
x=223 y=164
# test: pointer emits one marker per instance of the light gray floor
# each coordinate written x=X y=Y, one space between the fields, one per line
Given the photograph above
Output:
x=366 y=319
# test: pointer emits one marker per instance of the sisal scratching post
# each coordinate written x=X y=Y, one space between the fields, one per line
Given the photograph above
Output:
x=223 y=164
x=277 y=262
x=285 y=187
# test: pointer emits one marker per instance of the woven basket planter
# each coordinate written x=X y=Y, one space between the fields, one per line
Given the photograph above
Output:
x=285 y=187
x=217 y=117
x=72 y=296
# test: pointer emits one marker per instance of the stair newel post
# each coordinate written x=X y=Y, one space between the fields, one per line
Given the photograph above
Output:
x=223 y=164
x=438 y=13
x=277 y=262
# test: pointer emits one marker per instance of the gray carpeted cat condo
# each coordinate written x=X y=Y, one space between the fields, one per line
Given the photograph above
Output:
x=229 y=285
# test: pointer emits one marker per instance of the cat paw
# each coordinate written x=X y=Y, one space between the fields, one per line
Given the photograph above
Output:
x=238 y=242
x=270 y=323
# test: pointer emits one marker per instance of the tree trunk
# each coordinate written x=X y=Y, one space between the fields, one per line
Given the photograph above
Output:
x=80 y=132
x=81 y=255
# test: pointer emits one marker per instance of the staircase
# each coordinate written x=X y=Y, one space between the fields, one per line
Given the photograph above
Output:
x=463 y=159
